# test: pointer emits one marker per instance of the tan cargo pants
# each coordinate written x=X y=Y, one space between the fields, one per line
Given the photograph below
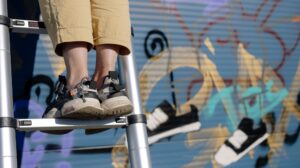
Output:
x=93 y=21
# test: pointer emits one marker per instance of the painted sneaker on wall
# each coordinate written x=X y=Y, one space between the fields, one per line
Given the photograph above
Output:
x=163 y=122
x=244 y=139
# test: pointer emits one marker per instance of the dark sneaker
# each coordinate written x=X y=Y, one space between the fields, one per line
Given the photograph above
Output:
x=81 y=102
x=113 y=98
x=244 y=139
x=163 y=122
x=52 y=111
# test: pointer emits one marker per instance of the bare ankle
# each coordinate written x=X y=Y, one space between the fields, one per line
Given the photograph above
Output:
x=72 y=81
x=98 y=78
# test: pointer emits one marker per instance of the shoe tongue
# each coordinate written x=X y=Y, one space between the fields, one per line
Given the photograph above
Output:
x=113 y=75
x=107 y=80
x=92 y=84
x=167 y=107
x=87 y=83
x=246 y=125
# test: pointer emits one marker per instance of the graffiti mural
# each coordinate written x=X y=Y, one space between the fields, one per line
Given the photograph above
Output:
x=203 y=67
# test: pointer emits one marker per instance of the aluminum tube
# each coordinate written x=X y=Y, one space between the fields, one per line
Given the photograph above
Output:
x=3 y=7
x=133 y=90
x=8 y=156
x=5 y=74
x=137 y=138
x=138 y=147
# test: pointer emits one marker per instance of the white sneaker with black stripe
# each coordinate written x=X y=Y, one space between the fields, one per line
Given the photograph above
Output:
x=163 y=122
x=244 y=139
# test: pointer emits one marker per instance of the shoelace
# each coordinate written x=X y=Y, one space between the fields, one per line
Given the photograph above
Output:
x=115 y=85
x=111 y=86
x=60 y=85
x=156 y=118
x=80 y=89
x=238 y=138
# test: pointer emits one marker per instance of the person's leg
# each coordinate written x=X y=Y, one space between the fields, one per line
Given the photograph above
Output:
x=112 y=37
x=105 y=61
x=76 y=59
x=77 y=94
x=71 y=35
x=111 y=32
x=112 y=95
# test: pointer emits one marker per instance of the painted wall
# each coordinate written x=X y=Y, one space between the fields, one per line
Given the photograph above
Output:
x=208 y=63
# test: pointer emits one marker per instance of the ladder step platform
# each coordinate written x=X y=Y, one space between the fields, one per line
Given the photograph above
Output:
x=63 y=124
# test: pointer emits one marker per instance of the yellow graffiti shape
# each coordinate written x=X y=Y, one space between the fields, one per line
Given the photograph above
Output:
x=209 y=45
x=167 y=61
x=252 y=70
x=120 y=154
x=290 y=108
x=213 y=138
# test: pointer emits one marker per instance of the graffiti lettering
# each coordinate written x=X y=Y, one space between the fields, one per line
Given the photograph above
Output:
x=245 y=107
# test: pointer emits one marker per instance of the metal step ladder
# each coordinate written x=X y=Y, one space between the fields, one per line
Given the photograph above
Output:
x=135 y=123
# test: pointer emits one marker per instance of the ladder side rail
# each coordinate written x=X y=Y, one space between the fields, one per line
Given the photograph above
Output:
x=8 y=152
x=136 y=132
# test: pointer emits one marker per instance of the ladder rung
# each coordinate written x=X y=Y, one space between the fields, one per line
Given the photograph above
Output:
x=63 y=124
x=28 y=26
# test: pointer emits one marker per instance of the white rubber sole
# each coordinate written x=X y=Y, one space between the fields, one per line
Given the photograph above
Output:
x=117 y=106
x=239 y=156
x=78 y=109
x=183 y=129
